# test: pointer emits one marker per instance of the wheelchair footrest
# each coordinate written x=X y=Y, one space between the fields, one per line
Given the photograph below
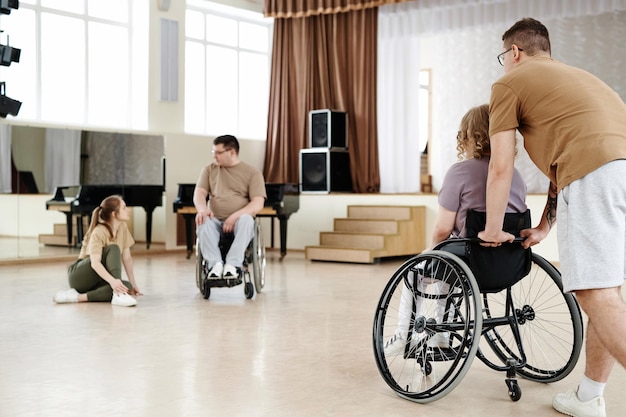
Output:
x=223 y=282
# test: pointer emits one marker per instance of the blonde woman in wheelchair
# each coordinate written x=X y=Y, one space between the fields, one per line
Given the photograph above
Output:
x=463 y=188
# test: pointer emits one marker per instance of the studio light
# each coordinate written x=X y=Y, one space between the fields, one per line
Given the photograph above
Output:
x=9 y=54
x=7 y=5
x=7 y=104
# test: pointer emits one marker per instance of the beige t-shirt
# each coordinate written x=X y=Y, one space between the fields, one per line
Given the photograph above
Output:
x=572 y=122
x=100 y=237
x=231 y=188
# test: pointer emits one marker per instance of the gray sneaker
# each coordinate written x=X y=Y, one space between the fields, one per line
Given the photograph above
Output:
x=568 y=403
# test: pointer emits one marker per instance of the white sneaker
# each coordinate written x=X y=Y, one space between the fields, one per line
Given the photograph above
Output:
x=216 y=271
x=123 y=300
x=230 y=271
x=66 y=296
x=568 y=403
x=439 y=340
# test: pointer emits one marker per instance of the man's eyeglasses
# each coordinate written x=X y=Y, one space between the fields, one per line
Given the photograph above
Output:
x=501 y=56
x=214 y=152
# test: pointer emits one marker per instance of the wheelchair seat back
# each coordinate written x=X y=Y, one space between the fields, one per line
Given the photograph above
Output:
x=496 y=269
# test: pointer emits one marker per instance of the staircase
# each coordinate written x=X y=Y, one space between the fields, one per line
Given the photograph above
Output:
x=372 y=232
x=59 y=233
x=58 y=237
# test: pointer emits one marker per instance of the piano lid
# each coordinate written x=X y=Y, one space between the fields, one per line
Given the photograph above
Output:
x=90 y=196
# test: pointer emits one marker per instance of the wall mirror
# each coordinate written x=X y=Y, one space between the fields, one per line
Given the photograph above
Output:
x=37 y=161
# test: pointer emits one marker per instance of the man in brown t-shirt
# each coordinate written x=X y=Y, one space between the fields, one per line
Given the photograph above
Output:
x=574 y=129
x=235 y=193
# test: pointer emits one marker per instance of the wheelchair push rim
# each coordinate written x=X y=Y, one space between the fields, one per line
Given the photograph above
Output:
x=422 y=371
x=258 y=257
x=549 y=323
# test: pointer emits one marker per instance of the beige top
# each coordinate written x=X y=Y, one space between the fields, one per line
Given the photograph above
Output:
x=100 y=237
x=572 y=122
x=231 y=188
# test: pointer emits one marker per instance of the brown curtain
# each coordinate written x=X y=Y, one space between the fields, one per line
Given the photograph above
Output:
x=324 y=61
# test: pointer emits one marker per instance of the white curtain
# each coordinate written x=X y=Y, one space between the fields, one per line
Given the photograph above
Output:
x=62 y=158
x=459 y=40
x=5 y=158
x=399 y=149
x=435 y=16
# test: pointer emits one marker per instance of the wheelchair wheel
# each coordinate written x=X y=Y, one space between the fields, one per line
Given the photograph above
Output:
x=201 y=272
x=432 y=304
x=549 y=322
x=258 y=257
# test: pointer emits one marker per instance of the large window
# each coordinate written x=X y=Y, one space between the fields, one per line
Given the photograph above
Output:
x=227 y=62
x=83 y=62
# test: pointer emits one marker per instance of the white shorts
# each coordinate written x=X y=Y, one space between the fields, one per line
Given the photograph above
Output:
x=591 y=216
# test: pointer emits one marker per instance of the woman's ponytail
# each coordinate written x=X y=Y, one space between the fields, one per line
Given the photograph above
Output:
x=103 y=215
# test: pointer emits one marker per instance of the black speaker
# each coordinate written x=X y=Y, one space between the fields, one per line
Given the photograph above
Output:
x=328 y=129
x=325 y=170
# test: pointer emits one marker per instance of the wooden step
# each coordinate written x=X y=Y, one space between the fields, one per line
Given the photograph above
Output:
x=59 y=233
x=380 y=212
x=366 y=226
x=54 y=240
x=352 y=240
x=372 y=232
x=351 y=255
x=60 y=229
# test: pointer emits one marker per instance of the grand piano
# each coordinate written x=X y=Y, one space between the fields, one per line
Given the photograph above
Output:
x=282 y=201
x=81 y=200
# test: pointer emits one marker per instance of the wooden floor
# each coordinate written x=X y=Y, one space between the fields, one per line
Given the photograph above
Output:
x=301 y=348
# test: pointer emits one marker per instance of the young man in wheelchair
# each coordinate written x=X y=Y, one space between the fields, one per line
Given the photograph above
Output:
x=236 y=193
x=463 y=189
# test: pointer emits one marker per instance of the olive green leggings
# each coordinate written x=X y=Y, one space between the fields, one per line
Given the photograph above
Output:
x=85 y=280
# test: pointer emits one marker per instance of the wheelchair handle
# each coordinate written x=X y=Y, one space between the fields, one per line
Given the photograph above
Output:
x=479 y=240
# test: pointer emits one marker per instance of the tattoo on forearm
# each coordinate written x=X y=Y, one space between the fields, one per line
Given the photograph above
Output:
x=551 y=206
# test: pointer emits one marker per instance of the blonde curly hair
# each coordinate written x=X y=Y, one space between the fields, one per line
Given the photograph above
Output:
x=474 y=133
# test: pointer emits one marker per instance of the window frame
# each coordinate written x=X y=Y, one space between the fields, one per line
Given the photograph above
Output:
x=208 y=8
x=133 y=117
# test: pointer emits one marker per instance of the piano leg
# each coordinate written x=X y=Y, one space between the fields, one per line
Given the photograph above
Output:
x=272 y=232
x=149 y=211
x=79 y=229
x=189 y=224
x=69 y=228
x=282 y=220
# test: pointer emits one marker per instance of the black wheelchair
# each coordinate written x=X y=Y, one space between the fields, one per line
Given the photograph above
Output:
x=437 y=305
x=254 y=256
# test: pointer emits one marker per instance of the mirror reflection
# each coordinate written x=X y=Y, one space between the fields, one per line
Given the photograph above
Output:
x=51 y=179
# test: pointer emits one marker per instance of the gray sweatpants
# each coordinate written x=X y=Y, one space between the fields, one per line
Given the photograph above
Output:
x=210 y=232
